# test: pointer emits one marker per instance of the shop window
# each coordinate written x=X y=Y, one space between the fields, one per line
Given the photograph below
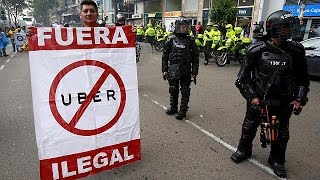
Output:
x=206 y=4
x=246 y=2
x=191 y=5
x=152 y=6
x=173 y=5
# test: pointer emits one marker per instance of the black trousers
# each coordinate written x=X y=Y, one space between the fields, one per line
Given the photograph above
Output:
x=207 y=50
x=184 y=84
x=282 y=110
x=151 y=40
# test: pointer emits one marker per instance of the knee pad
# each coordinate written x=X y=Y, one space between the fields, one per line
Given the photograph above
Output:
x=249 y=127
x=185 y=91
x=173 y=90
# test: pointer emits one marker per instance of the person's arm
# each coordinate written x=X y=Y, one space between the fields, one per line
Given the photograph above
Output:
x=301 y=76
x=244 y=79
x=194 y=58
x=165 y=55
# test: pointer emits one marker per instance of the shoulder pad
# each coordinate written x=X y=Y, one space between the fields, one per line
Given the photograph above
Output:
x=256 y=47
x=296 y=47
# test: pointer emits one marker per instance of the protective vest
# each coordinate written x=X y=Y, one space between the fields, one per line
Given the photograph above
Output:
x=150 y=32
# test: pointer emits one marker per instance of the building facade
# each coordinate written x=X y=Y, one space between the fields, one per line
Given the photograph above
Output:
x=245 y=13
x=311 y=17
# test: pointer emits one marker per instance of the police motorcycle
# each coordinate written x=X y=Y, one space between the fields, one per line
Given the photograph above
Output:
x=234 y=49
x=216 y=44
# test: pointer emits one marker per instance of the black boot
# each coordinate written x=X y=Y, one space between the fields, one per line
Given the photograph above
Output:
x=277 y=156
x=181 y=115
x=206 y=62
x=174 y=95
x=243 y=152
x=171 y=110
x=185 y=95
x=277 y=168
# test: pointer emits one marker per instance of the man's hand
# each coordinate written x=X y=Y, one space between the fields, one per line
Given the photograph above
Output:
x=296 y=104
x=297 y=108
x=255 y=101
x=165 y=75
x=194 y=79
x=30 y=31
x=134 y=29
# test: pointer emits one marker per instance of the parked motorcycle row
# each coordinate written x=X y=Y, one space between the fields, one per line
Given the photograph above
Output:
x=223 y=50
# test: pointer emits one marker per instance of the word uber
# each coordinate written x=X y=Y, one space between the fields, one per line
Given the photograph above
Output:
x=81 y=96
x=81 y=36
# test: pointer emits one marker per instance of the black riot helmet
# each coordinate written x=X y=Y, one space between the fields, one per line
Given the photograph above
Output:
x=282 y=24
x=179 y=26
x=102 y=23
x=121 y=20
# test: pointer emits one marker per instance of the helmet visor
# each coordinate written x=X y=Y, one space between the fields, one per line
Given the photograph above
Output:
x=287 y=29
x=183 y=28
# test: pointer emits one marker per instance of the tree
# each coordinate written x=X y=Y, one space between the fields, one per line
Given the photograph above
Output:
x=41 y=10
x=14 y=9
x=223 y=11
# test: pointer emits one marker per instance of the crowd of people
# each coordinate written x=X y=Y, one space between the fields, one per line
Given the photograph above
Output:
x=273 y=76
x=7 y=36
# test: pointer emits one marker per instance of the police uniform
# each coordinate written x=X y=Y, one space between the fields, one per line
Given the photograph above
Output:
x=181 y=61
x=277 y=75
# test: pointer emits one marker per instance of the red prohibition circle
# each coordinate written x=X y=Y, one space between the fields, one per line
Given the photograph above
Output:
x=71 y=125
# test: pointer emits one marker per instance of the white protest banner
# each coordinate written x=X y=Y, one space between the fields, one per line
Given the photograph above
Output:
x=85 y=99
x=19 y=38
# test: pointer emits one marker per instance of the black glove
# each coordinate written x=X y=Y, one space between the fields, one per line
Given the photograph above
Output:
x=297 y=111
x=165 y=76
x=194 y=80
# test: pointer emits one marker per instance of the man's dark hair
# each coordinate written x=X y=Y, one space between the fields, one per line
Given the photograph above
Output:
x=88 y=2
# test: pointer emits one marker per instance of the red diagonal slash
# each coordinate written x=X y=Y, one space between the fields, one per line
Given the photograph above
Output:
x=71 y=125
x=88 y=99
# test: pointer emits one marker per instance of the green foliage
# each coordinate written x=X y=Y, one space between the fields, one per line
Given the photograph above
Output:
x=14 y=8
x=41 y=8
x=223 y=11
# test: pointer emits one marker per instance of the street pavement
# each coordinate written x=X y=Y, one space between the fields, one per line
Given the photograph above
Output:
x=196 y=148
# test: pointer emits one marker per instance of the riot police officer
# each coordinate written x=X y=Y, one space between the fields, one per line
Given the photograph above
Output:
x=274 y=75
x=101 y=23
x=180 y=63
x=121 y=20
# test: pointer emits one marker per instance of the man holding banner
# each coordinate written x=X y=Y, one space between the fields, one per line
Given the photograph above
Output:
x=89 y=13
x=85 y=97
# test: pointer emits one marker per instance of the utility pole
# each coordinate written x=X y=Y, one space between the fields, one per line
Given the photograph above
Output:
x=116 y=4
